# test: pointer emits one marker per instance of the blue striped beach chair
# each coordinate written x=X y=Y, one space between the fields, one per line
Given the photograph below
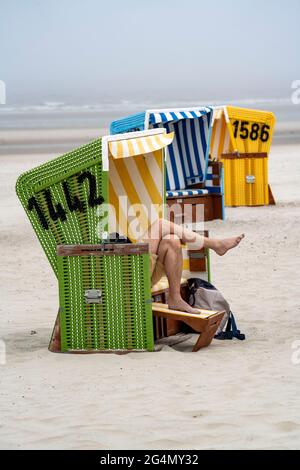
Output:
x=191 y=178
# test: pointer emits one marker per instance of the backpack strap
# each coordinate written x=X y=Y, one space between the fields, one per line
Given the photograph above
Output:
x=192 y=291
x=231 y=331
x=235 y=332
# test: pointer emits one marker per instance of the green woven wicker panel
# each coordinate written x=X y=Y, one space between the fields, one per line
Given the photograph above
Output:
x=123 y=318
x=62 y=199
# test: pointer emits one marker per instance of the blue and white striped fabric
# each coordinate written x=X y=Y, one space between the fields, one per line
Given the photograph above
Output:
x=170 y=115
x=132 y=123
x=195 y=192
x=187 y=192
x=187 y=156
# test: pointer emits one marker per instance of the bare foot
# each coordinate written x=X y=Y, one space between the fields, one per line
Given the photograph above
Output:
x=222 y=246
x=181 y=305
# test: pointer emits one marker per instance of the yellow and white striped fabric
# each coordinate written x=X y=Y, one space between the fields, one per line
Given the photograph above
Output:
x=137 y=182
x=140 y=145
x=220 y=138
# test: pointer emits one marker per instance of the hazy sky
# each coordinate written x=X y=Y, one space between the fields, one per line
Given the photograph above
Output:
x=137 y=49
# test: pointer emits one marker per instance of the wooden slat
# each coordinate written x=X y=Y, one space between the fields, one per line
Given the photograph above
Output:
x=163 y=308
x=103 y=249
x=237 y=155
x=216 y=172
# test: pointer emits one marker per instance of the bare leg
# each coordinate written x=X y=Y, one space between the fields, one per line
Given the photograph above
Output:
x=170 y=254
x=163 y=228
x=165 y=238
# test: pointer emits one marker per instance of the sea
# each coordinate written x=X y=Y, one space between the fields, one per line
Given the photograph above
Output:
x=99 y=115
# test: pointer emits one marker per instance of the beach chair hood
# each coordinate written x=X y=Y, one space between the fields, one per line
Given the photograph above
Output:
x=241 y=130
x=135 y=163
x=134 y=144
x=187 y=156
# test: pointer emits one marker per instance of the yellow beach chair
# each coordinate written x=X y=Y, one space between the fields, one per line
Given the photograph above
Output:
x=241 y=140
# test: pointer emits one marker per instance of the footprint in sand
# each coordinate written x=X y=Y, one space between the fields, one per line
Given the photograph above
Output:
x=288 y=426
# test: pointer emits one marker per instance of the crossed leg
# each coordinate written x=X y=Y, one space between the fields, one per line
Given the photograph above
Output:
x=165 y=239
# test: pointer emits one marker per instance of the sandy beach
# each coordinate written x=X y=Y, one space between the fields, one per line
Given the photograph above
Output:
x=242 y=395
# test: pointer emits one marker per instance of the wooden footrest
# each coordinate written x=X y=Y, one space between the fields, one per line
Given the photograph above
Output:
x=206 y=322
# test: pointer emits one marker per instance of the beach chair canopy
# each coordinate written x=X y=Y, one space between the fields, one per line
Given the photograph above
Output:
x=131 y=145
x=135 y=163
x=187 y=156
x=241 y=130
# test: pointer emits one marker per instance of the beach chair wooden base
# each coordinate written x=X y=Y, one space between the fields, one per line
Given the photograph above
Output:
x=54 y=345
x=206 y=323
x=272 y=201
x=212 y=204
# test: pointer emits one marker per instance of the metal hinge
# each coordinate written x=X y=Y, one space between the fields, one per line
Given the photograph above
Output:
x=93 y=296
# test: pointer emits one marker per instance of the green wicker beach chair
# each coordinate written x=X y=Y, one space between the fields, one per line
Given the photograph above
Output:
x=105 y=296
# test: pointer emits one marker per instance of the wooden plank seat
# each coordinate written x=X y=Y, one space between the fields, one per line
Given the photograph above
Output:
x=165 y=327
x=206 y=322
